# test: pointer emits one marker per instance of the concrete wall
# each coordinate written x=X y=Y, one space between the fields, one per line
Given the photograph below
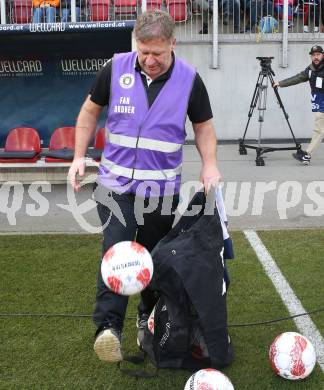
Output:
x=231 y=88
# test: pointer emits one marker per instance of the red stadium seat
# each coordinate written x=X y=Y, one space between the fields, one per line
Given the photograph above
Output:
x=153 y=4
x=177 y=9
x=22 y=11
x=22 y=145
x=125 y=7
x=99 y=144
x=99 y=10
x=61 y=147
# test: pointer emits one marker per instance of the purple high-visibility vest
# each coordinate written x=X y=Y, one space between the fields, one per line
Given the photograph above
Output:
x=144 y=144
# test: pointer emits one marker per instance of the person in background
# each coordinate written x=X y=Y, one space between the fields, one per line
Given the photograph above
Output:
x=279 y=9
x=66 y=11
x=45 y=10
x=311 y=11
x=314 y=73
x=205 y=7
x=254 y=11
x=230 y=10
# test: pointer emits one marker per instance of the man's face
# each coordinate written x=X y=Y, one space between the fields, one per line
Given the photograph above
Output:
x=155 y=56
x=317 y=57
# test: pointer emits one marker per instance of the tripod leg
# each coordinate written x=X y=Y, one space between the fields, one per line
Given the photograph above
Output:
x=242 y=148
x=298 y=146
x=252 y=105
x=259 y=161
x=262 y=104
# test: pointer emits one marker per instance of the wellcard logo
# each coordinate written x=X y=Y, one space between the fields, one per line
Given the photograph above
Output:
x=81 y=66
x=46 y=27
x=19 y=68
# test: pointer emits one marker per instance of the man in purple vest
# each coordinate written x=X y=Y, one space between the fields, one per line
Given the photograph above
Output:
x=149 y=94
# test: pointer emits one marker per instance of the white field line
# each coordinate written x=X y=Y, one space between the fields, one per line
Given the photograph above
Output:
x=305 y=325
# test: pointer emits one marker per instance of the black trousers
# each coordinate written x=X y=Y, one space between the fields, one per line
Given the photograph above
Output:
x=111 y=308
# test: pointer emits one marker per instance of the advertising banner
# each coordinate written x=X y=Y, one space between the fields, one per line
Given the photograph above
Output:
x=46 y=72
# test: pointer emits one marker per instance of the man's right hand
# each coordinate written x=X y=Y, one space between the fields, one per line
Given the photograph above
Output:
x=77 y=169
x=276 y=84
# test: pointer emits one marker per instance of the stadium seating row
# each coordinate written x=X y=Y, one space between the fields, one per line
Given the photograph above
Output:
x=99 y=10
x=23 y=145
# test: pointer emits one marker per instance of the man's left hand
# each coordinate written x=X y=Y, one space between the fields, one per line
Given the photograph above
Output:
x=210 y=176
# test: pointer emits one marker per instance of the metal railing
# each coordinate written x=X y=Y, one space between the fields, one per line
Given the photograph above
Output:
x=194 y=16
x=211 y=21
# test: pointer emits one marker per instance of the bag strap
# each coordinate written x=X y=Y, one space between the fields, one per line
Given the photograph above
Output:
x=136 y=359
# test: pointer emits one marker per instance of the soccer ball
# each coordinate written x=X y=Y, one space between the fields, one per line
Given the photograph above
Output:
x=127 y=268
x=292 y=356
x=208 y=379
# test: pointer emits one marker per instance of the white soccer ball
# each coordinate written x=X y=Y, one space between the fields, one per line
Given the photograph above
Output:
x=127 y=268
x=292 y=356
x=208 y=379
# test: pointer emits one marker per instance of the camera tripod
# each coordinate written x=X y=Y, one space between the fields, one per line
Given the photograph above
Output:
x=259 y=100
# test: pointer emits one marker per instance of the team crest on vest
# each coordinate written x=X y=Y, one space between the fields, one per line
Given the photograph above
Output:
x=126 y=80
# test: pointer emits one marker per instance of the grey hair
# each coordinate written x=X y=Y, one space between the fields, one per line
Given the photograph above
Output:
x=155 y=24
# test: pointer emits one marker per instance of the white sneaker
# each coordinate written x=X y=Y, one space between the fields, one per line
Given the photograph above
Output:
x=107 y=346
x=306 y=29
x=316 y=29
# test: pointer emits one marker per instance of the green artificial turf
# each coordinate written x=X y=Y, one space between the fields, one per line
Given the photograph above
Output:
x=300 y=256
x=56 y=274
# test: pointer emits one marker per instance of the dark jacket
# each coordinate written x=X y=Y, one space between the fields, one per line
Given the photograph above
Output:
x=188 y=263
x=309 y=74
